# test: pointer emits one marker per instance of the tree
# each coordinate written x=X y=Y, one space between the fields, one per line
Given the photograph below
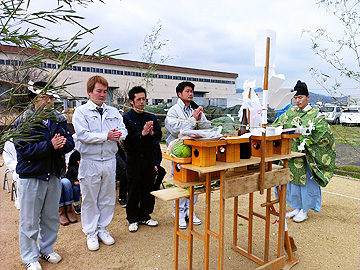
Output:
x=152 y=45
x=26 y=29
x=341 y=51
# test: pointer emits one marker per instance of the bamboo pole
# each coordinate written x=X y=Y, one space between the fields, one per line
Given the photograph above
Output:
x=263 y=136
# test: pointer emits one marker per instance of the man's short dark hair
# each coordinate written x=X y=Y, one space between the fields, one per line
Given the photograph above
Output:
x=182 y=85
x=136 y=90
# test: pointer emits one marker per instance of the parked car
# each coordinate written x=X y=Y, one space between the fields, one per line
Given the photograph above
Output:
x=350 y=116
x=332 y=114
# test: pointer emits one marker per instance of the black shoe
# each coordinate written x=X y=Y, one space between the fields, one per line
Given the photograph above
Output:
x=77 y=209
x=122 y=203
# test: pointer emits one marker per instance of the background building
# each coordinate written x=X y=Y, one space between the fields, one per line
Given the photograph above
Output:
x=211 y=87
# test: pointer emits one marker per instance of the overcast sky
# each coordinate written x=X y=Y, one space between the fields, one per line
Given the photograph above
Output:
x=215 y=35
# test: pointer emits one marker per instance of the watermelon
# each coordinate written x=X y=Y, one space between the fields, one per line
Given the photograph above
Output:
x=179 y=149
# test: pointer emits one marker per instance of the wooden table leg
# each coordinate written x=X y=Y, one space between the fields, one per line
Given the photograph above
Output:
x=191 y=226
x=281 y=234
x=267 y=226
x=221 y=222
x=176 y=246
x=251 y=221
x=236 y=210
x=207 y=221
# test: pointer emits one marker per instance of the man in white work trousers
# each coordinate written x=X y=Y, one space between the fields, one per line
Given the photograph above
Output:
x=185 y=114
x=98 y=127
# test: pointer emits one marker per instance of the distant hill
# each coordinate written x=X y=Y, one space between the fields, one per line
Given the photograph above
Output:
x=313 y=97
x=239 y=90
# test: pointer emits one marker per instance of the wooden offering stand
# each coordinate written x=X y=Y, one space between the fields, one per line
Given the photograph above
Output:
x=231 y=151
x=283 y=146
x=256 y=145
x=279 y=144
x=204 y=152
x=235 y=180
x=181 y=174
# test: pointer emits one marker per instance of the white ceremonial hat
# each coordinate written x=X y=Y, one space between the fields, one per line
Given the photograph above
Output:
x=49 y=92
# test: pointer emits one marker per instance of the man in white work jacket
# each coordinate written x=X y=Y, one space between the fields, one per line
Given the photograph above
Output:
x=98 y=127
x=185 y=114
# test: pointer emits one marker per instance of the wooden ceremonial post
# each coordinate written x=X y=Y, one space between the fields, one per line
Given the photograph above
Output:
x=263 y=149
x=263 y=136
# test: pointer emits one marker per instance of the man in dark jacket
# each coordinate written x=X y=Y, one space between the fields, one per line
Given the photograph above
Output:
x=143 y=129
x=40 y=155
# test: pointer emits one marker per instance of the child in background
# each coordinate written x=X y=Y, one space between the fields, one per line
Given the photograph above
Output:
x=70 y=191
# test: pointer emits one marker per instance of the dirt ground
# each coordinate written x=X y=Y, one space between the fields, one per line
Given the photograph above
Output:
x=326 y=240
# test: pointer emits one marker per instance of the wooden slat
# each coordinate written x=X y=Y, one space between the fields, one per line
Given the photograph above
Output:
x=268 y=138
x=248 y=255
x=242 y=163
x=275 y=264
x=290 y=136
x=204 y=143
x=236 y=140
x=177 y=159
x=236 y=186
x=198 y=235
x=277 y=178
x=170 y=194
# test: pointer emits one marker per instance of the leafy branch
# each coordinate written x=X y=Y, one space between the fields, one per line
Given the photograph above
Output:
x=334 y=49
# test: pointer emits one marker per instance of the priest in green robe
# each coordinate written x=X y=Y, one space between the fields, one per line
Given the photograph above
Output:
x=314 y=170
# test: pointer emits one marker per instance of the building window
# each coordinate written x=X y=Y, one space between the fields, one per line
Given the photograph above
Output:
x=197 y=94
x=156 y=101
x=52 y=66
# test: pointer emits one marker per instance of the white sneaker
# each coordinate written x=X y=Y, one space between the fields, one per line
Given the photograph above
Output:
x=105 y=237
x=133 y=227
x=182 y=223
x=300 y=217
x=292 y=213
x=33 y=266
x=17 y=204
x=92 y=241
x=150 y=222
x=52 y=257
x=196 y=220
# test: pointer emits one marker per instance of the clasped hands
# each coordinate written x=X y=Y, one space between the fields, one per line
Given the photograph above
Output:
x=58 y=141
x=197 y=113
x=148 y=128
x=114 y=135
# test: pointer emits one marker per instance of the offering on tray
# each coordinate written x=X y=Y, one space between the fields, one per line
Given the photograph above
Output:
x=179 y=149
x=201 y=134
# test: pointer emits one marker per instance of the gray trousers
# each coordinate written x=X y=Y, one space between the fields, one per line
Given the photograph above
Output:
x=39 y=216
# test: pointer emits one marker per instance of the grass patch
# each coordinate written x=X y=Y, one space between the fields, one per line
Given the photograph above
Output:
x=346 y=135
x=350 y=171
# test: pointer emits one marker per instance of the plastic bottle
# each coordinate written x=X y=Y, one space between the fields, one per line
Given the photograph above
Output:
x=245 y=148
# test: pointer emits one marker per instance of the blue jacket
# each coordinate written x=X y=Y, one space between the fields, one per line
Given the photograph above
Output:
x=37 y=157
